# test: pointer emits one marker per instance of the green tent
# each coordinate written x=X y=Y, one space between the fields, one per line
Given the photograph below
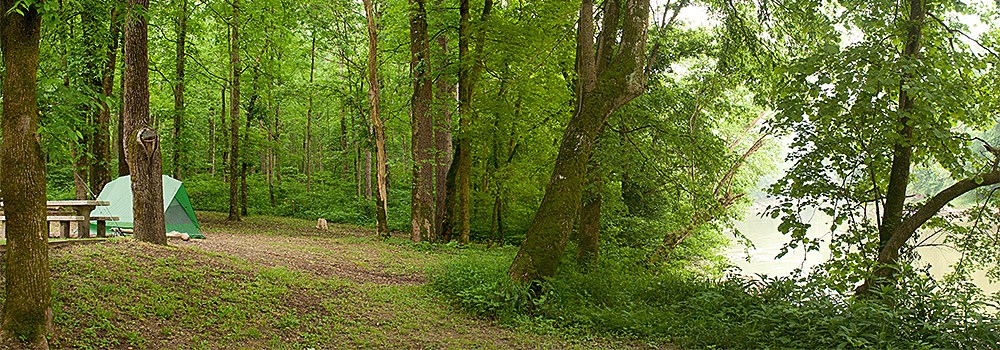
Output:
x=178 y=214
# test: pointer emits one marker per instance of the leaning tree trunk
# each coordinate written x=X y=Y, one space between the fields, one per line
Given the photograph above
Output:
x=619 y=80
x=182 y=14
x=142 y=141
x=234 y=114
x=422 y=130
x=888 y=256
x=27 y=311
x=378 y=129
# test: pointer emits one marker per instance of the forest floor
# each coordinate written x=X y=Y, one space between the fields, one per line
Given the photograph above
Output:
x=271 y=283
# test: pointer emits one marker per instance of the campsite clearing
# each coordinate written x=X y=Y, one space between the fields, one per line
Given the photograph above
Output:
x=269 y=283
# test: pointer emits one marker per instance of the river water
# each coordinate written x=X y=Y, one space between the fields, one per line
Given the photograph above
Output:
x=768 y=241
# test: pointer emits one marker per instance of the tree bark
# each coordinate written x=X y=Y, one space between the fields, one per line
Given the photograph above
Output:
x=27 y=310
x=179 y=89
x=244 y=165
x=590 y=219
x=100 y=171
x=277 y=143
x=422 y=129
x=620 y=82
x=224 y=127
x=899 y=176
x=368 y=172
x=445 y=96
x=142 y=141
x=468 y=73
x=307 y=145
x=378 y=129
x=234 y=114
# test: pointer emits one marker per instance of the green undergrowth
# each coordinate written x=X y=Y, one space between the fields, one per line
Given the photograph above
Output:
x=695 y=312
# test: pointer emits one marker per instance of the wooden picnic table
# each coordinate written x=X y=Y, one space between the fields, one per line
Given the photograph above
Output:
x=78 y=211
x=81 y=208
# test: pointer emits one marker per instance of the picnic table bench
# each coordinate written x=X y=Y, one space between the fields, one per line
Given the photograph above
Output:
x=79 y=211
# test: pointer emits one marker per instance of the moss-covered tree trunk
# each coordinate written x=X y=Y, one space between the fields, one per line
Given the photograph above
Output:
x=27 y=311
x=619 y=80
x=142 y=141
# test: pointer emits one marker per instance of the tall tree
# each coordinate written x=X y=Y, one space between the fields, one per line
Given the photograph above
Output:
x=142 y=141
x=180 y=59
x=444 y=96
x=307 y=143
x=120 y=140
x=234 y=114
x=460 y=175
x=619 y=64
x=27 y=310
x=902 y=152
x=100 y=171
x=422 y=127
x=378 y=127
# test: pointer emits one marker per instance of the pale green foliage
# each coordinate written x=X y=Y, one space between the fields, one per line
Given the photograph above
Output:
x=839 y=100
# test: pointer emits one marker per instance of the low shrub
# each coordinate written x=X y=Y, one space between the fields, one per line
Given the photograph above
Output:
x=626 y=299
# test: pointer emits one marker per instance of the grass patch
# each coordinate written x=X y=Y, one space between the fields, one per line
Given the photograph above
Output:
x=268 y=283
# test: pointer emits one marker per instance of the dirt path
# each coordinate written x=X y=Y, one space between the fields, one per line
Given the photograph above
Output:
x=322 y=257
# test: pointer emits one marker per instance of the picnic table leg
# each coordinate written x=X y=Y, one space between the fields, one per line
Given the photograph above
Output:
x=64 y=228
x=102 y=227
x=83 y=227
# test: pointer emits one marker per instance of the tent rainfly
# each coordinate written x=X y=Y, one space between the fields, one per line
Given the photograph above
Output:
x=178 y=214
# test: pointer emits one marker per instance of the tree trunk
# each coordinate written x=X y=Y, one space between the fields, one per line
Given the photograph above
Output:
x=422 y=129
x=899 y=176
x=590 y=219
x=468 y=73
x=142 y=141
x=619 y=82
x=275 y=148
x=100 y=170
x=451 y=197
x=243 y=164
x=382 y=213
x=234 y=114
x=211 y=144
x=368 y=173
x=445 y=96
x=224 y=126
x=307 y=144
x=179 y=89
x=344 y=151
x=27 y=310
